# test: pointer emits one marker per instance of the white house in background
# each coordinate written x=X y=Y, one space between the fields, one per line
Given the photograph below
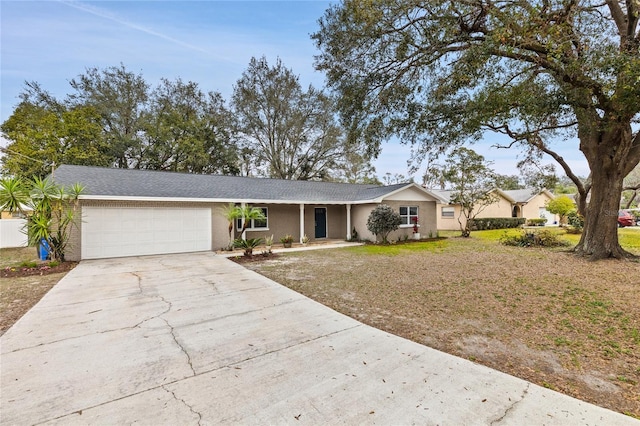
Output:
x=139 y=212
x=528 y=203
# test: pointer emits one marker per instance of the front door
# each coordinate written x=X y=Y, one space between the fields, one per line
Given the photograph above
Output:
x=321 y=222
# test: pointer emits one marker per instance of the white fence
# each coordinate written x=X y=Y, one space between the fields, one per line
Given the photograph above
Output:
x=11 y=234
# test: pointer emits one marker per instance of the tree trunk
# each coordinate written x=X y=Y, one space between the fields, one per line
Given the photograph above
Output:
x=600 y=235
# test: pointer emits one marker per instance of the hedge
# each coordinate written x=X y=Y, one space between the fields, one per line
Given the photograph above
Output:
x=481 y=224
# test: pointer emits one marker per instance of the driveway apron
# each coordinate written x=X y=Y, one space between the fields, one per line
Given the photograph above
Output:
x=197 y=339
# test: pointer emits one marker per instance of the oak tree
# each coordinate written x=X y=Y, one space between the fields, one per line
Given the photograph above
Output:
x=290 y=132
x=442 y=73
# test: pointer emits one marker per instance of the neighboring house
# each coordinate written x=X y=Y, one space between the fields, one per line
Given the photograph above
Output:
x=5 y=214
x=129 y=212
x=528 y=203
x=531 y=204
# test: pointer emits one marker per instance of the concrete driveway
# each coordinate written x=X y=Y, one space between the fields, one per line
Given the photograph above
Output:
x=198 y=339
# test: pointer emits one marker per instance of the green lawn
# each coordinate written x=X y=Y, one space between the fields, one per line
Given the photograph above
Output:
x=629 y=237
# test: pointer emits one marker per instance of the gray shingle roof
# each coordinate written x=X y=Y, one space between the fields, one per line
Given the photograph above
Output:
x=522 y=195
x=443 y=194
x=99 y=181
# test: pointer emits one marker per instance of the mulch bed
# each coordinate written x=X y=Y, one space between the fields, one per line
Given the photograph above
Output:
x=241 y=258
x=42 y=269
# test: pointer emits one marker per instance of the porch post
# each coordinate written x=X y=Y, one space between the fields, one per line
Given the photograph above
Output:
x=348 y=222
x=301 y=222
x=244 y=234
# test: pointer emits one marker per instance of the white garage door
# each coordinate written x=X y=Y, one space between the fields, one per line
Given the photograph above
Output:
x=119 y=232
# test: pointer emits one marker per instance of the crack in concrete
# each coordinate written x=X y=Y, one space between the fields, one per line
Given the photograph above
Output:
x=184 y=351
x=171 y=328
x=283 y=348
x=159 y=315
x=185 y=403
x=513 y=405
x=201 y=373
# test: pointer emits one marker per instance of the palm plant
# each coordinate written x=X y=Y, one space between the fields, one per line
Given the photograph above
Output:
x=248 y=245
x=248 y=214
x=231 y=212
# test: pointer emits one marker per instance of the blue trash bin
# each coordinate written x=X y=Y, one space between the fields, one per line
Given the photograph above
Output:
x=43 y=249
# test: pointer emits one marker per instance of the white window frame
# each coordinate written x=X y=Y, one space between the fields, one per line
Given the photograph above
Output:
x=408 y=216
x=251 y=226
x=451 y=212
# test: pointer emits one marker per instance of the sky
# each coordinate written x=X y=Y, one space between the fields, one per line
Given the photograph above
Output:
x=208 y=42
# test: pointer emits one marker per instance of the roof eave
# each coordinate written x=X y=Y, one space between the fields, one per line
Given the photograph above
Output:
x=218 y=200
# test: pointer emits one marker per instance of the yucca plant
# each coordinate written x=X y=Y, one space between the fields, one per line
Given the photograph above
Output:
x=54 y=208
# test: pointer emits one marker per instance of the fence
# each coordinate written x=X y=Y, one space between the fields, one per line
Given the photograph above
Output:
x=11 y=234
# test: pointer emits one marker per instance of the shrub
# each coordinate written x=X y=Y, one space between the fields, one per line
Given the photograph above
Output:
x=248 y=245
x=287 y=239
x=536 y=222
x=481 y=224
x=576 y=220
x=543 y=238
x=382 y=220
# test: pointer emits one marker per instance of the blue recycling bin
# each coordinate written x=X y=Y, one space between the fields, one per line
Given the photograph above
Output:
x=43 y=249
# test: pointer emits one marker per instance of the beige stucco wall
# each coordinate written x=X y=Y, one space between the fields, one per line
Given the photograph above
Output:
x=500 y=208
x=531 y=210
x=359 y=215
x=449 y=223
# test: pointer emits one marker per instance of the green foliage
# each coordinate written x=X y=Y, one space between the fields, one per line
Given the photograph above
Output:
x=485 y=223
x=247 y=245
x=440 y=74
x=508 y=182
x=287 y=239
x=231 y=212
x=13 y=193
x=536 y=222
x=188 y=131
x=113 y=117
x=247 y=214
x=471 y=180
x=543 y=238
x=576 y=220
x=382 y=220
x=53 y=208
x=562 y=205
x=42 y=136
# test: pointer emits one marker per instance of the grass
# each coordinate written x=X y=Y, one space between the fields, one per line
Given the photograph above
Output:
x=17 y=256
x=18 y=294
x=540 y=314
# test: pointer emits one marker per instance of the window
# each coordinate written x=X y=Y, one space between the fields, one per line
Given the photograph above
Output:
x=408 y=214
x=448 y=212
x=255 y=224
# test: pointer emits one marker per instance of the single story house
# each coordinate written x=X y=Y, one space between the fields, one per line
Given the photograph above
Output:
x=127 y=212
x=528 y=203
